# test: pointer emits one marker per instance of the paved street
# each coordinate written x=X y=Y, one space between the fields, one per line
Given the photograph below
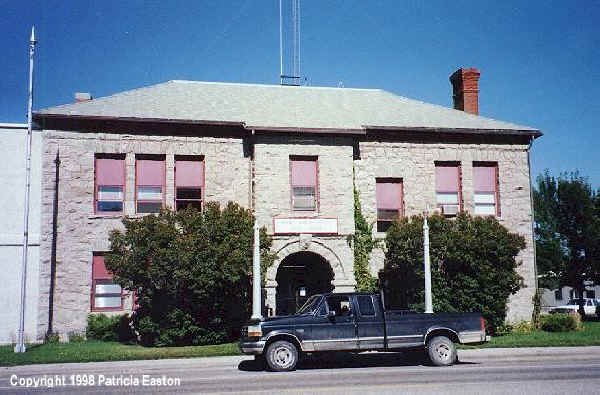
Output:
x=495 y=371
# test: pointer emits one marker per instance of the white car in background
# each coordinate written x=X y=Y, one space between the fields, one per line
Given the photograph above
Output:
x=589 y=307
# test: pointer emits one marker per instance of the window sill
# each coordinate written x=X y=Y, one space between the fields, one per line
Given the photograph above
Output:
x=106 y=216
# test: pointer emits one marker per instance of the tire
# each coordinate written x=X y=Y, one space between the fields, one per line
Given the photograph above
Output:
x=441 y=351
x=281 y=356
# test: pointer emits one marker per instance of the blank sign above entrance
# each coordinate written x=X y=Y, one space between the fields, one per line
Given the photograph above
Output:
x=305 y=225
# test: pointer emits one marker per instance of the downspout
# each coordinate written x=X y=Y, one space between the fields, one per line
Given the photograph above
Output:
x=535 y=271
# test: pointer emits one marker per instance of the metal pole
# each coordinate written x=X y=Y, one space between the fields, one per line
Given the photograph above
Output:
x=428 y=301
x=20 y=346
x=280 y=43
x=256 y=297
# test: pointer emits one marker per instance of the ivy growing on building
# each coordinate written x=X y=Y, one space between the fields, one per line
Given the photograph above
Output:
x=362 y=242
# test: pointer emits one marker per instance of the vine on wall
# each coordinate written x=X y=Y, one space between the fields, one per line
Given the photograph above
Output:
x=362 y=242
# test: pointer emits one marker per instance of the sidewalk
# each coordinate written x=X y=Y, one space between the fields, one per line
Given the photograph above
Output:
x=474 y=355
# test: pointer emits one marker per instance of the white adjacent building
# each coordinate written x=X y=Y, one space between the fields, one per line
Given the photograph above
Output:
x=13 y=138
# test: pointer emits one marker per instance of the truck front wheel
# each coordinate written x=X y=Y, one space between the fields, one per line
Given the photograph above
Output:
x=441 y=351
x=281 y=356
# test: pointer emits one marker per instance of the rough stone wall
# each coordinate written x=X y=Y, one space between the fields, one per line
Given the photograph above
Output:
x=273 y=199
x=414 y=163
x=80 y=231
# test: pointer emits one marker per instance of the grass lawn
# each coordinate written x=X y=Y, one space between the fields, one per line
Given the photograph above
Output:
x=92 y=350
x=588 y=336
x=89 y=351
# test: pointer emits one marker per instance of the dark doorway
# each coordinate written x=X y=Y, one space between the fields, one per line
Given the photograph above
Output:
x=299 y=276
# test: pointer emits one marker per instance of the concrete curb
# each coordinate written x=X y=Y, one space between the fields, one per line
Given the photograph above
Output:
x=530 y=353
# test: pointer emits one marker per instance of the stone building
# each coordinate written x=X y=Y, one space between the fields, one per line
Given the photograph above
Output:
x=293 y=154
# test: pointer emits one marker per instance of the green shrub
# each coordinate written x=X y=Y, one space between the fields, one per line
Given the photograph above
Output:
x=51 y=338
x=473 y=265
x=560 y=322
x=109 y=328
x=191 y=271
x=76 y=337
x=523 y=327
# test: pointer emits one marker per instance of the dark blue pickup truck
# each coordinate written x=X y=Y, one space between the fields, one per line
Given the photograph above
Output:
x=358 y=322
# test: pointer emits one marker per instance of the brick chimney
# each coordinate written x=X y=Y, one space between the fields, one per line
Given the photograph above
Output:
x=465 y=90
x=82 y=96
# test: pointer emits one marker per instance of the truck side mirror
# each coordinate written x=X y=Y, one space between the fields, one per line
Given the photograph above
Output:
x=331 y=314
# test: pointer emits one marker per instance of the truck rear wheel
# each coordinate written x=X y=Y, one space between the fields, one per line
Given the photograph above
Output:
x=441 y=351
x=281 y=356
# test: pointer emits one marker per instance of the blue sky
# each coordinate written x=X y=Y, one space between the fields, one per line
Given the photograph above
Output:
x=539 y=60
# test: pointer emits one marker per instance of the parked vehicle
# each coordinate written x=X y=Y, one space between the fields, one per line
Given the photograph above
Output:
x=358 y=322
x=589 y=307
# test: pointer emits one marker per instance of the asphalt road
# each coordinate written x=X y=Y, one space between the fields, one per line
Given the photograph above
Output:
x=494 y=371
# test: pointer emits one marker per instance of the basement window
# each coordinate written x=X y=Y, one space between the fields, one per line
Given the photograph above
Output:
x=106 y=294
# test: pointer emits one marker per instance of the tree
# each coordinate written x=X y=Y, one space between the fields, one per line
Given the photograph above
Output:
x=191 y=272
x=567 y=231
x=473 y=265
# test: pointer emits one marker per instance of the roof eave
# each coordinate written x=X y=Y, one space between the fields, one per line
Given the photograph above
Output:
x=515 y=132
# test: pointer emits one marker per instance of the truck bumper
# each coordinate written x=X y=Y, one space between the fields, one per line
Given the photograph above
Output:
x=252 y=347
x=470 y=337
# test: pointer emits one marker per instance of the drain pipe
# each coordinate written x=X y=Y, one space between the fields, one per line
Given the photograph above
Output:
x=256 y=291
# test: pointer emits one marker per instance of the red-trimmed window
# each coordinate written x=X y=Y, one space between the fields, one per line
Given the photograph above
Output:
x=485 y=185
x=189 y=182
x=390 y=205
x=106 y=294
x=150 y=184
x=448 y=187
x=109 y=183
x=304 y=183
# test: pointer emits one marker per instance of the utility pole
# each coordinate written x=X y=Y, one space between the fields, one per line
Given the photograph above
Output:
x=20 y=346
x=427 y=269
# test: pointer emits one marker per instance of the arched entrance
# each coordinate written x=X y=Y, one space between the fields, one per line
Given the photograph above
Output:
x=299 y=276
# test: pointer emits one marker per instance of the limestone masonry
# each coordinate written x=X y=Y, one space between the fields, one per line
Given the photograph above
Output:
x=253 y=166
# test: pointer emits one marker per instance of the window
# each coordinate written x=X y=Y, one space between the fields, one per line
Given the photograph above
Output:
x=558 y=294
x=340 y=304
x=365 y=305
x=109 y=183
x=389 y=202
x=189 y=182
x=106 y=295
x=590 y=294
x=150 y=184
x=448 y=188
x=304 y=184
x=485 y=183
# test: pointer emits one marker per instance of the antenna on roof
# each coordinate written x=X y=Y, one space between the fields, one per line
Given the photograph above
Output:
x=289 y=74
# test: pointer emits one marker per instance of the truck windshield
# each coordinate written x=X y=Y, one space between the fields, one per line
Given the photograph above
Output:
x=311 y=304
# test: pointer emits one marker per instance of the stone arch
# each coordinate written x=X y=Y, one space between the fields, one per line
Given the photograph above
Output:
x=317 y=247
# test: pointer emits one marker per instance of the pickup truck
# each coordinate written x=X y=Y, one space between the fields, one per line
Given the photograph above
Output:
x=357 y=322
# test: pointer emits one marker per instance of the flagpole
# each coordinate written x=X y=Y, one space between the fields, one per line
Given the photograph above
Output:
x=427 y=264
x=20 y=346
x=256 y=296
